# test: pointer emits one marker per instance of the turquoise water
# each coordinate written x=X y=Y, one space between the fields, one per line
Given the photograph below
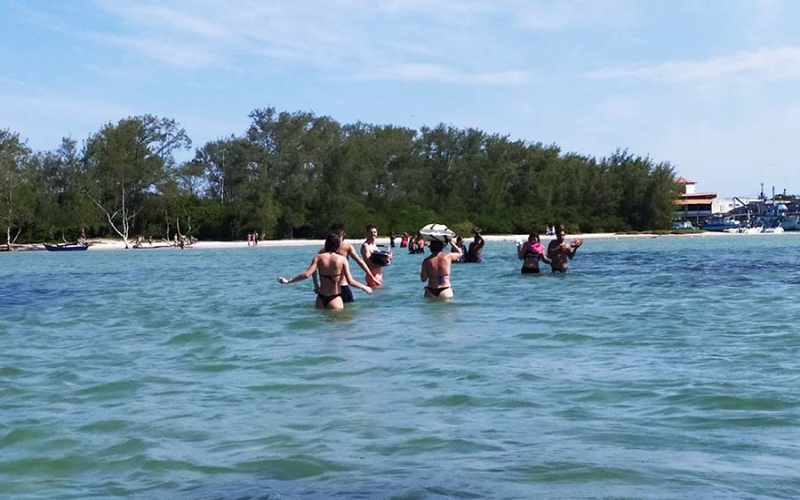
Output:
x=657 y=368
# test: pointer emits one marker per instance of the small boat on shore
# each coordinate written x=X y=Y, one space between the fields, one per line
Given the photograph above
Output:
x=721 y=223
x=67 y=247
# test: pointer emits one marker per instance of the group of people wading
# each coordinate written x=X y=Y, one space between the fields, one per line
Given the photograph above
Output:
x=330 y=268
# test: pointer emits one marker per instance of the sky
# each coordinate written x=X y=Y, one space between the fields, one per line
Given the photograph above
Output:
x=712 y=87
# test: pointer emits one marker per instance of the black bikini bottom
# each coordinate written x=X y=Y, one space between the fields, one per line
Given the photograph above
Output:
x=326 y=299
x=436 y=291
x=530 y=270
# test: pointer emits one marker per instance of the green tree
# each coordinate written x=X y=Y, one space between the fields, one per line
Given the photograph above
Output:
x=126 y=161
x=15 y=209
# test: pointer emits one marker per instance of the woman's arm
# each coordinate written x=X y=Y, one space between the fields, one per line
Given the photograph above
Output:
x=423 y=274
x=304 y=275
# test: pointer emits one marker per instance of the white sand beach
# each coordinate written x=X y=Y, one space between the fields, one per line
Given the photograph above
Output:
x=110 y=244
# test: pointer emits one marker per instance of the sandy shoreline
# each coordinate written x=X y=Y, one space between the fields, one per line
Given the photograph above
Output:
x=110 y=244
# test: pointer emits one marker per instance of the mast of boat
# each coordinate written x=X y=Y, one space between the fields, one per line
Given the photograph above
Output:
x=746 y=206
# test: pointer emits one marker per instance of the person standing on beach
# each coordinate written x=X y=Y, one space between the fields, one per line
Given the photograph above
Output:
x=347 y=251
x=369 y=247
x=560 y=251
x=475 y=252
x=331 y=268
x=531 y=252
x=436 y=270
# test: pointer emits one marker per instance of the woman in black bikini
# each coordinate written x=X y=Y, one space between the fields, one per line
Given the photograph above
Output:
x=331 y=267
x=436 y=270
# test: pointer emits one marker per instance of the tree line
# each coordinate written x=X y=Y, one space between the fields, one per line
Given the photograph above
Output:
x=295 y=175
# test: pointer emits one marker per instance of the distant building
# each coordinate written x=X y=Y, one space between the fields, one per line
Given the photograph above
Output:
x=697 y=207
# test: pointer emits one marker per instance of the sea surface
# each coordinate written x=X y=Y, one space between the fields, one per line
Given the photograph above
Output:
x=658 y=367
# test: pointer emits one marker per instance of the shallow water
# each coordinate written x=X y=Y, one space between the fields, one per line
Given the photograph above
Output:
x=657 y=368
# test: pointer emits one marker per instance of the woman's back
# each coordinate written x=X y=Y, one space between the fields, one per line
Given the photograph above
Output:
x=331 y=269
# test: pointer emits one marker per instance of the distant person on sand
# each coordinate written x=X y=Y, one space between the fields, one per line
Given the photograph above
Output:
x=346 y=250
x=560 y=251
x=255 y=239
x=436 y=270
x=475 y=251
x=531 y=252
x=369 y=247
x=331 y=267
x=249 y=239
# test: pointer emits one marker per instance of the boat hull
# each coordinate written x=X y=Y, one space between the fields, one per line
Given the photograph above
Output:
x=65 y=248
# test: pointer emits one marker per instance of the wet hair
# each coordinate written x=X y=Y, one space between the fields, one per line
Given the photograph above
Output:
x=560 y=228
x=436 y=246
x=534 y=236
x=371 y=227
x=332 y=242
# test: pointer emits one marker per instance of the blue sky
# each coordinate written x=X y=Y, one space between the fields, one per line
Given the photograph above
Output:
x=710 y=86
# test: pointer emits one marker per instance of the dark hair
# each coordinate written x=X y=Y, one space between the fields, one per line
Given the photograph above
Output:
x=332 y=242
x=436 y=246
x=338 y=229
x=534 y=235
x=370 y=227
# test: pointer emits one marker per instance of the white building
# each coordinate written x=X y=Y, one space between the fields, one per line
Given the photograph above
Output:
x=697 y=207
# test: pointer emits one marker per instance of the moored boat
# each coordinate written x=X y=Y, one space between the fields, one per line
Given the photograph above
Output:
x=721 y=223
x=68 y=247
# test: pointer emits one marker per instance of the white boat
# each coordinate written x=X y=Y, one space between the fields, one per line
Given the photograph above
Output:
x=769 y=212
x=746 y=230
x=777 y=215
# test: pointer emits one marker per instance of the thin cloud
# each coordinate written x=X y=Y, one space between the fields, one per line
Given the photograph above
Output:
x=183 y=55
x=174 y=20
x=782 y=63
x=444 y=74
x=564 y=14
